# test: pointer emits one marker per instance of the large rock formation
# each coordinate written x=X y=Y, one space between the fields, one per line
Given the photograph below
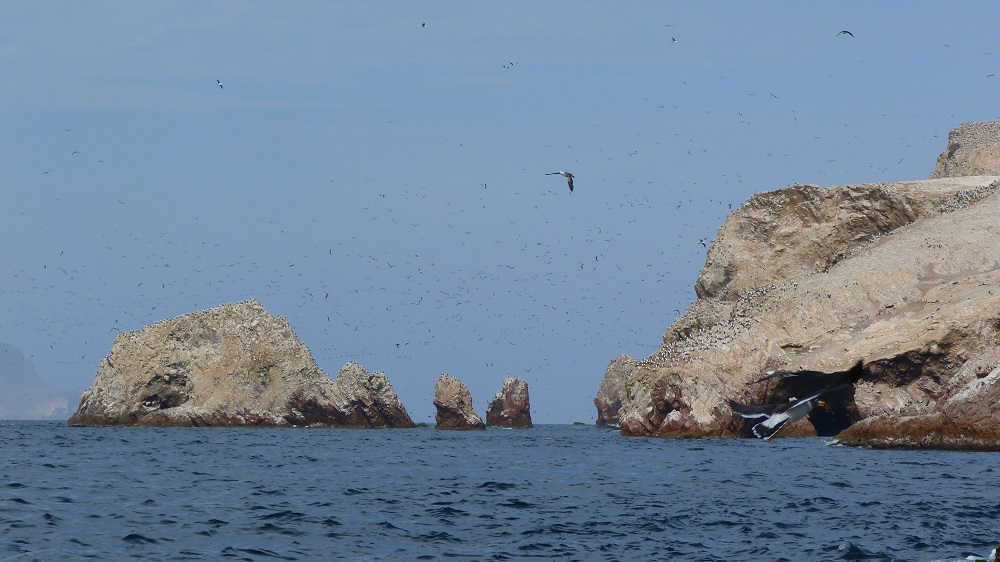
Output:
x=454 y=405
x=511 y=406
x=233 y=365
x=904 y=276
x=973 y=150
x=609 y=394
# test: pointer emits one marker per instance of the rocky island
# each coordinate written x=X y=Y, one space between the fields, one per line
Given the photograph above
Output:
x=233 y=365
x=903 y=276
x=511 y=407
x=454 y=405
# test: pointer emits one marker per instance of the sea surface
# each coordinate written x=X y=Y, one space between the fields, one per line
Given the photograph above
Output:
x=558 y=492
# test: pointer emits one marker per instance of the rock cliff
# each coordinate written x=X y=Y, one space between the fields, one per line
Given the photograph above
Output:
x=234 y=365
x=511 y=406
x=454 y=405
x=904 y=276
x=973 y=150
x=609 y=394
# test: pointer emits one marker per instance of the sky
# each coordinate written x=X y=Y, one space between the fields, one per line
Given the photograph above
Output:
x=375 y=172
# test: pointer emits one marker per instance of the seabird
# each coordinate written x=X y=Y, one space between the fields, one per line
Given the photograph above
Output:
x=217 y=81
x=831 y=381
x=845 y=32
x=778 y=415
x=567 y=175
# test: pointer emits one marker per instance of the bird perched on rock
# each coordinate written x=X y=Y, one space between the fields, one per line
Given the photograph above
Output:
x=567 y=175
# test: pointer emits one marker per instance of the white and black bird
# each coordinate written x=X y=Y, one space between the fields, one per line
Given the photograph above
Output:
x=567 y=175
x=777 y=415
x=219 y=82
x=828 y=382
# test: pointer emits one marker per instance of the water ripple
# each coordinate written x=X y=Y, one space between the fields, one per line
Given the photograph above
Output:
x=585 y=494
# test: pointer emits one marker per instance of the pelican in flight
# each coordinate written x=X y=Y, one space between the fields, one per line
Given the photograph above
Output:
x=217 y=81
x=567 y=175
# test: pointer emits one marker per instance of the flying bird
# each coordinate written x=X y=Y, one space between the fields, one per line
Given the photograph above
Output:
x=845 y=32
x=830 y=382
x=567 y=175
x=778 y=415
x=217 y=81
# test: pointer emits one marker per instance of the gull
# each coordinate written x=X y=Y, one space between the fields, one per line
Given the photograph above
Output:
x=833 y=381
x=778 y=415
x=567 y=175
x=217 y=81
x=845 y=32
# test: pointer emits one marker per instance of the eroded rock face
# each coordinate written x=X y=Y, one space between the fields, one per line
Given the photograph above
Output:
x=511 y=406
x=234 y=365
x=609 y=394
x=903 y=276
x=973 y=150
x=454 y=405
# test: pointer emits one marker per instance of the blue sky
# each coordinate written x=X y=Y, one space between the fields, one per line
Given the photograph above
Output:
x=347 y=153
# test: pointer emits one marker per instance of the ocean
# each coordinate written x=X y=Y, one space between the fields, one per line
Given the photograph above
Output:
x=562 y=492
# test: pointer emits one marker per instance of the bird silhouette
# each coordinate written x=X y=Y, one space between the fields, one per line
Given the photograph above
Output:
x=567 y=175
x=845 y=32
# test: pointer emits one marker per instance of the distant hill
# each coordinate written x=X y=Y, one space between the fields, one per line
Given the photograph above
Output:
x=24 y=396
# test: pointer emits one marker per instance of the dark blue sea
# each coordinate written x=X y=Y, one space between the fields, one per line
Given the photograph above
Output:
x=558 y=492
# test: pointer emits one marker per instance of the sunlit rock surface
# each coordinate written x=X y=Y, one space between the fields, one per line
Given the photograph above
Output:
x=454 y=405
x=904 y=276
x=511 y=407
x=234 y=365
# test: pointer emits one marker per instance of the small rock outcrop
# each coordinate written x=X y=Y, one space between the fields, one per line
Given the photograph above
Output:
x=233 y=365
x=609 y=394
x=454 y=405
x=973 y=150
x=511 y=406
x=904 y=276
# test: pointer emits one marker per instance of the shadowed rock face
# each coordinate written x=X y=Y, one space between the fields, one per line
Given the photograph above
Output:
x=511 y=406
x=234 y=365
x=609 y=394
x=904 y=276
x=454 y=405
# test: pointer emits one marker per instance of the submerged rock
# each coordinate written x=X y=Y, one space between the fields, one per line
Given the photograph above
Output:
x=905 y=276
x=454 y=405
x=511 y=406
x=233 y=365
x=609 y=394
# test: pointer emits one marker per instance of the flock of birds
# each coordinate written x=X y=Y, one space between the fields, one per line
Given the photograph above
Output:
x=488 y=280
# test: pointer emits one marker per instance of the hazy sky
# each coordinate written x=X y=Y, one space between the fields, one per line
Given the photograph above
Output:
x=375 y=172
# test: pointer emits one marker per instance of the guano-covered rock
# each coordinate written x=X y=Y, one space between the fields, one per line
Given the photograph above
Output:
x=233 y=365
